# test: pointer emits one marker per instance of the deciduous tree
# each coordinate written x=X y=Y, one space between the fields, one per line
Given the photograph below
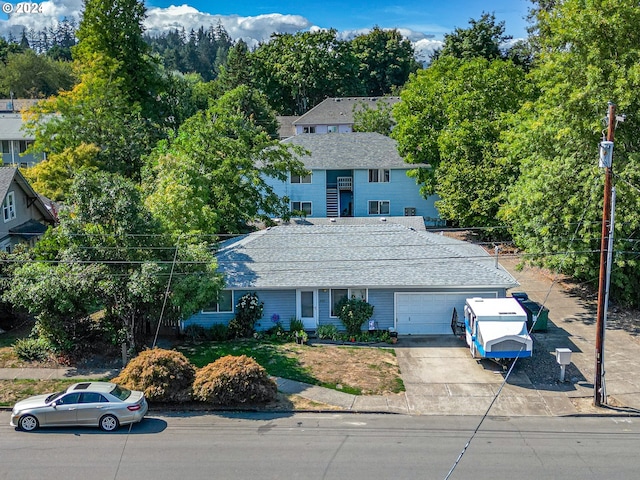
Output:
x=296 y=72
x=450 y=117
x=211 y=178
x=386 y=60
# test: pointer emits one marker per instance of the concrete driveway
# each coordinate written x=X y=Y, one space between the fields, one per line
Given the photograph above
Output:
x=440 y=376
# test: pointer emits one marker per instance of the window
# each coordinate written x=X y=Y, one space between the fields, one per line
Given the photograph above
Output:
x=23 y=145
x=332 y=129
x=306 y=304
x=304 y=207
x=360 y=293
x=301 y=179
x=378 y=175
x=70 y=399
x=9 y=207
x=338 y=294
x=224 y=303
x=92 y=397
x=378 y=207
x=308 y=129
x=5 y=146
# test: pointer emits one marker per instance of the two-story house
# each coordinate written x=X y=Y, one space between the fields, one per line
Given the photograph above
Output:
x=14 y=140
x=25 y=217
x=335 y=115
x=354 y=175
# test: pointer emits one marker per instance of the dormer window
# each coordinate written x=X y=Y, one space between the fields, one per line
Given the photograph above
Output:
x=308 y=129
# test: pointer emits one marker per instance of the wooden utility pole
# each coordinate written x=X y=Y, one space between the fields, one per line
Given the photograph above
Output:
x=599 y=396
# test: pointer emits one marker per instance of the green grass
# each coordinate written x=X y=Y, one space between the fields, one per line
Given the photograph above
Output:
x=8 y=339
x=271 y=356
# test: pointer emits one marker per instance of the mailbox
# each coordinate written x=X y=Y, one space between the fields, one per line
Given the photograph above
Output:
x=563 y=356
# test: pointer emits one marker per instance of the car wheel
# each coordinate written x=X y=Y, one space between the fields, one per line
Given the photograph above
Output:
x=109 y=423
x=28 y=423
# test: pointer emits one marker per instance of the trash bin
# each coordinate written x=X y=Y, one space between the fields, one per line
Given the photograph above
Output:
x=533 y=309
x=520 y=295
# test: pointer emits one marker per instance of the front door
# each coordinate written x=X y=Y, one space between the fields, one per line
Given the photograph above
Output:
x=308 y=308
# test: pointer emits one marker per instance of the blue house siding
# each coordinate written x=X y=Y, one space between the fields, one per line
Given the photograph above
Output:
x=277 y=302
x=314 y=192
x=401 y=191
x=283 y=303
x=280 y=302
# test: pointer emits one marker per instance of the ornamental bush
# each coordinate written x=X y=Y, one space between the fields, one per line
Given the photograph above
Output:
x=32 y=349
x=248 y=311
x=163 y=375
x=234 y=380
x=353 y=313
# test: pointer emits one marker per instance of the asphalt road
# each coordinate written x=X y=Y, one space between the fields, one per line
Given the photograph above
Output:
x=327 y=446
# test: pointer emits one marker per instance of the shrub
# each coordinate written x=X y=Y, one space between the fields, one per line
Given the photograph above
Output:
x=353 y=313
x=163 y=375
x=195 y=333
x=276 y=334
x=32 y=349
x=248 y=311
x=233 y=380
x=327 y=332
x=295 y=324
x=218 y=332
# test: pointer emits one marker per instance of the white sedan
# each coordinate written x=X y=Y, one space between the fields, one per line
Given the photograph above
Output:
x=88 y=404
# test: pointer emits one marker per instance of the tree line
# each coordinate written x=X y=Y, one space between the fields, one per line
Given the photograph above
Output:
x=512 y=137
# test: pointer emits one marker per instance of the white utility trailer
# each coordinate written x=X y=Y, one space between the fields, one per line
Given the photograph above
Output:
x=496 y=328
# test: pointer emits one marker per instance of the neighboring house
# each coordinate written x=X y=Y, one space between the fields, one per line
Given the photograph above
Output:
x=335 y=115
x=25 y=216
x=285 y=126
x=354 y=175
x=413 y=278
x=14 y=141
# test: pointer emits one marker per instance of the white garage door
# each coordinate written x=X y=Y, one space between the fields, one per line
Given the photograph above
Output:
x=428 y=313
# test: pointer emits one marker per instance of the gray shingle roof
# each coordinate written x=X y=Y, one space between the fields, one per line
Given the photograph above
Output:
x=349 y=150
x=16 y=104
x=11 y=127
x=416 y=223
x=6 y=177
x=339 y=111
x=285 y=126
x=372 y=256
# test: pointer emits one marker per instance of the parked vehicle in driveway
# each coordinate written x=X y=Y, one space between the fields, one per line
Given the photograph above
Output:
x=496 y=328
x=87 y=404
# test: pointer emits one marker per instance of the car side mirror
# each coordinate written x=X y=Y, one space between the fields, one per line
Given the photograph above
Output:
x=54 y=404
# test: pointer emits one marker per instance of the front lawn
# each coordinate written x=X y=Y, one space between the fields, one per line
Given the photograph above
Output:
x=357 y=370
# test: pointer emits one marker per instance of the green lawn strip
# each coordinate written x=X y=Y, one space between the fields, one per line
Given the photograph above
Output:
x=8 y=339
x=13 y=390
x=271 y=356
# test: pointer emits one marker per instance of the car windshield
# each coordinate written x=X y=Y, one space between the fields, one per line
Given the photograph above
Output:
x=52 y=396
x=121 y=393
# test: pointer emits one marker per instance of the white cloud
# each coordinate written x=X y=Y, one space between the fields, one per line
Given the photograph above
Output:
x=425 y=47
x=252 y=30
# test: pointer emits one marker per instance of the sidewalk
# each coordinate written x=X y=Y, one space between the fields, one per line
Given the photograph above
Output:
x=441 y=378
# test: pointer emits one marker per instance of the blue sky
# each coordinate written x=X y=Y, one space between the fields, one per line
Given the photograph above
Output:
x=424 y=22
x=431 y=17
